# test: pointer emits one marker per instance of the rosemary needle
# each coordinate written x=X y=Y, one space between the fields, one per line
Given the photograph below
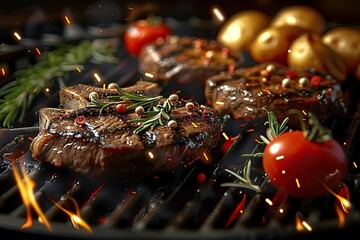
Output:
x=17 y=96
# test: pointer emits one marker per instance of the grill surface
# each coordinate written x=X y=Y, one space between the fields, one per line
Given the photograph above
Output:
x=173 y=205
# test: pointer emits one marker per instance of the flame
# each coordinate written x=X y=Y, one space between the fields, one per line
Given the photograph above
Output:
x=75 y=217
x=343 y=205
x=26 y=186
x=344 y=201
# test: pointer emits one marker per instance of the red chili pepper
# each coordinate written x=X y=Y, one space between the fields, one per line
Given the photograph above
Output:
x=80 y=120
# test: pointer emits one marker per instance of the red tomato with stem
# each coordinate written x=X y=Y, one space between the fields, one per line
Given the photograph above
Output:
x=144 y=31
x=302 y=167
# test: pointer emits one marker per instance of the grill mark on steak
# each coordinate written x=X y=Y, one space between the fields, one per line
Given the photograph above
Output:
x=106 y=144
x=245 y=92
x=182 y=60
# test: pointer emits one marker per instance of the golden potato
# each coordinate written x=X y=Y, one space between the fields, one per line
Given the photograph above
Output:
x=272 y=43
x=308 y=51
x=300 y=16
x=241 y=28
x=345 y=40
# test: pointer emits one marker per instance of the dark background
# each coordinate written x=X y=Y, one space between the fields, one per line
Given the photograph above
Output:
x=35 y=18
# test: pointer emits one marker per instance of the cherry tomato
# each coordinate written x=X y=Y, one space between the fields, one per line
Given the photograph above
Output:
x=142 y=32
x=302 y=167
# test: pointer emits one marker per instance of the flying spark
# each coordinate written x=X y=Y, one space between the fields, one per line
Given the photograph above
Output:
x=97 y=77
x=38 y=51
x=67 y=19
x=149 y=75
x=218 y=14
x=17 y=36
x=297 y=182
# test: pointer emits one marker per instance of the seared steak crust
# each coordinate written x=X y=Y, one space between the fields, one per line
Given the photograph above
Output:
x=244 y=93
x=182 y=60
x=77 y=96
x=107 y=144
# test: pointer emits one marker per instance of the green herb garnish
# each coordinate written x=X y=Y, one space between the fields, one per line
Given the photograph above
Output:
x=244 y=181
x=149 y=111
x=17 y=96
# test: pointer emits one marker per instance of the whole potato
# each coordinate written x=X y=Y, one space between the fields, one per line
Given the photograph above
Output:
x=345 y=40
x=241 y=28
x=300 y=16
x=308 y=51
x=272 y=43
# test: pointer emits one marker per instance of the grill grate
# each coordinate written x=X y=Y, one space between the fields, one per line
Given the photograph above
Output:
x=172 y=205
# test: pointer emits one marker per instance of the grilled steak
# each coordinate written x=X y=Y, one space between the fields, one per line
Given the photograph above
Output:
x=99 y=144
x=183 y=63
x=244 y=93
x=77 y=96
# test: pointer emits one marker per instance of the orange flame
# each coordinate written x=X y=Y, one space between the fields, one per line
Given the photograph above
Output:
x=344 y=201
x=26 y=186
x=343 y=205
x=75 y=217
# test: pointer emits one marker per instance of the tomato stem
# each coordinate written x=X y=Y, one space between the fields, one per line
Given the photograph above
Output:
x=313 y=129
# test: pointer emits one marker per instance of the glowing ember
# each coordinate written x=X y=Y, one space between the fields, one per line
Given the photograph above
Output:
x=75 y=217
x=225 y=136
x=194 y=124
x=78 y=69
x=97 y=77
x=67 y=20
x=38 y=51
x=26 y=186
x=268 y=201
x=151 y=155
x=206 y=157
x=3 y=71
x=355 y=165
x=297 y=182
x=104 y=86
x=303 y=111
x=219 y=103
x=149 y=75
x=218 y=14
x=250 y=130
x=17 y=36
x=237 y=212
x=257 y=140
x=201 y=177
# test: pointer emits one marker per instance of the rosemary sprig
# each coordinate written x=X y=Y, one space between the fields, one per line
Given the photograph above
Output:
x=17 y=96
x=274 y=130
x=150 y=113
x=244 y=181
